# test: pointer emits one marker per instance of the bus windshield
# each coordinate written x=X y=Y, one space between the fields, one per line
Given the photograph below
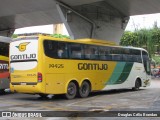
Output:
x=23 y=54
x=4 y=51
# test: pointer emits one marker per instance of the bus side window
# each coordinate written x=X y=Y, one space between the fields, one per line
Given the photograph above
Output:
x=55 y=49
x=94 y=52
x=136 y=55
x=87 y=52
x=75 y=51
x=50 y=48
x=117 y=54
x=108 y=53
x=90 y=52
x=102 y=55
x=62 y=50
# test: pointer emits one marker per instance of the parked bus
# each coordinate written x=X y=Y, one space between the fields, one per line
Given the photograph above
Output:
x=45 y=65
x=4 y=61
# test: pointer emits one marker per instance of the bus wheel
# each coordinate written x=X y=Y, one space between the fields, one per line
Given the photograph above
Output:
x=84 y=89
x=137 y=85
x=71 y=91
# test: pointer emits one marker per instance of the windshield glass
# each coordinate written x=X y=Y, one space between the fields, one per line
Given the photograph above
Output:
x=23 y=54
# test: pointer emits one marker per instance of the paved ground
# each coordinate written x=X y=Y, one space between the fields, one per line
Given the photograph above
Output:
x=121 y=100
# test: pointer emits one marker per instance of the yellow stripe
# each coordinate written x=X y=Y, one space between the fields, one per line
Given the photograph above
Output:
x=4 y=58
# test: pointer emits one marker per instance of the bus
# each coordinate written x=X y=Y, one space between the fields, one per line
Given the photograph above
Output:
x=4 y=61
x=45 y=65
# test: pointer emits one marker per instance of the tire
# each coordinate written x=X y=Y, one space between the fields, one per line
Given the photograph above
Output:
x=71 y=91
x=84 y=90
x=137 y=85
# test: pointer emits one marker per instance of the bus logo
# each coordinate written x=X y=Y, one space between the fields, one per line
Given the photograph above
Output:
x=22 y=46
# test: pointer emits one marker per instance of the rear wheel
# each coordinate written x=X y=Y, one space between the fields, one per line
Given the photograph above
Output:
x=71 y=91
x=84 y=89
x=137 y=85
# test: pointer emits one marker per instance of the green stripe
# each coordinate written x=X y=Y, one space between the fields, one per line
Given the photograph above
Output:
x=126 y=71
x=116 y=73
x=120 y=73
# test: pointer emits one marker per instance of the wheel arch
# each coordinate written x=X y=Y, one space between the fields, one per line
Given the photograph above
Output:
x=74 y=81
x=140 y=81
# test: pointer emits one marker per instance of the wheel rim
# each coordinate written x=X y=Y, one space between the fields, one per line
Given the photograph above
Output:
x=84 y=89
x=71 y=90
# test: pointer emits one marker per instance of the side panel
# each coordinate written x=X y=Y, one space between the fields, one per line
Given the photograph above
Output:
x=60 y=72
x=4 y=72
x=125 y=76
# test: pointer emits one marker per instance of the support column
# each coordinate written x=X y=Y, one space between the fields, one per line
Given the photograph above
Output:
x=97 y=21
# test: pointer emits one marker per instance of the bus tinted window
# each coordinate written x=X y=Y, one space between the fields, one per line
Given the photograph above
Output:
x=146 y=62
x=55 y=49
x=117 y=54
x=90 y=52
x=75 y=51
x=4 y=49
x=105 y=53
x=64 y=50
x=131 y=55
x=136 y=55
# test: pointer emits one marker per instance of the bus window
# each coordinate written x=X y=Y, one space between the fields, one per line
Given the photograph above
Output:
x=4 y=51
x=55 y=49
x=104 y=53
x=117 y=54
x=127 y=55
x=90 y=52
x=146 y=62
x=75 y=51
x=136 y=55
x=62 y=50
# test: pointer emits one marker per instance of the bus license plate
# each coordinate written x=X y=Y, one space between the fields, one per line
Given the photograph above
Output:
x=23 y=83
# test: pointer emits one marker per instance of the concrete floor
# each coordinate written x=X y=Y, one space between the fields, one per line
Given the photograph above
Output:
x=120 y=100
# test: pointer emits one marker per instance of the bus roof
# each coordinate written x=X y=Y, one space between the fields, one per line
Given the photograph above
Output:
x=85 y=41
x=5 y=39
x=137 y=48
x=88 y=40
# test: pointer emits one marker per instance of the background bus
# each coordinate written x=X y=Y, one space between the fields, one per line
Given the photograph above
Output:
x=46 y=65
x=4 y=61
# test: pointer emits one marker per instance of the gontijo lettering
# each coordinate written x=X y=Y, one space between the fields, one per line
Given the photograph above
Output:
x=23 y=57
x=92 y=66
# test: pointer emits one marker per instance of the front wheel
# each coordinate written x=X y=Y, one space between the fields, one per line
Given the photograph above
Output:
x=84 y=89
x=71 y=91
x=137 y=85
